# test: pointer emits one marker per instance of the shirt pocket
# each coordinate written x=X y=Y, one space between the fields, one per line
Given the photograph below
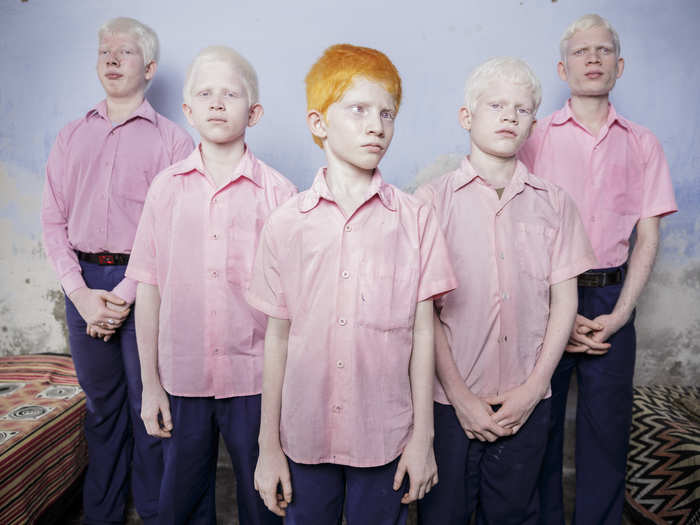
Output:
x=132 y=185
x=386 y=298
x=534 y=246
x=242 y=243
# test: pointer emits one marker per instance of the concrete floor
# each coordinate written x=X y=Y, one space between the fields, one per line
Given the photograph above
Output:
x=225 y=483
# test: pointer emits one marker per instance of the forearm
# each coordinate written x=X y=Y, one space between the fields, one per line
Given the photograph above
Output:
x=147 y=323
x=639 y=266
x=126 y=289
x=447 y=372
x=274 y=363
x=562 y=312
x=422 y=371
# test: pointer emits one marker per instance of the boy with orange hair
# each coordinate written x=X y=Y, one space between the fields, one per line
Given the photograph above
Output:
x=346 y=272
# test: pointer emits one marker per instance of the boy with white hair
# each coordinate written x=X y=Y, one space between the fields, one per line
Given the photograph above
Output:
x=97 y=175
x=518 y=244
x=617 y=174
x=201 y=345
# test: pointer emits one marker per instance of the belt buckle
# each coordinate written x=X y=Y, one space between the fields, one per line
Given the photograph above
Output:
x=105 y=259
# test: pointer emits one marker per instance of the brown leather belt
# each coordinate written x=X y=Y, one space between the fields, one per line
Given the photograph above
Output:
x=104 y=258
x=595 y=279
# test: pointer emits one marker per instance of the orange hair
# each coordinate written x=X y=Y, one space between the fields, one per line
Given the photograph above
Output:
x=332 y=75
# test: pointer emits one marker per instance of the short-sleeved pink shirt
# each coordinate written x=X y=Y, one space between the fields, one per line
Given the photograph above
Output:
x=506 y=254
x=616 y=178
x=97 y=177
x=349 y=286
x=197 y=244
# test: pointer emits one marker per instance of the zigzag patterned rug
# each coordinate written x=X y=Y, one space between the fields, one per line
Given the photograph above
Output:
x=663 y=465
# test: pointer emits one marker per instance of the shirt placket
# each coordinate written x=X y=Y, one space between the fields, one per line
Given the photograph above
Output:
x=215 y=261
x=503 y=250
x=110 y=155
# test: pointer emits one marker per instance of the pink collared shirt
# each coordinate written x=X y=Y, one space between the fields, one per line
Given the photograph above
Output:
x=197 y=244
x=97 y=176
x=616 y=178
x=349 y=286
x=506 y=254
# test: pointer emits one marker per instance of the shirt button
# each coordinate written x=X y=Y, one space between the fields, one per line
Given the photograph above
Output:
x=342 y=322
x=216 y=350
x=340 y=364
x=345 y=274
x=213 y=313
x=505 y=338
x=215 y=236
x=214 y=274
x=348 y=228
x=501 y=255
x=337 y=408
x=504 y=295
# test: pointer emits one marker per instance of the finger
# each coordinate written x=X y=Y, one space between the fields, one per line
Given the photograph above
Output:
x=470 y=434
x=516 y=428
x=398 y=477
x=577 y=348
x=596 y=352
x=412 y=494
x=112 y=298
x=588 y=323
x=591 y=342
x=166 y=416
x=286 y=487
x=421 y=490
x=494 y=400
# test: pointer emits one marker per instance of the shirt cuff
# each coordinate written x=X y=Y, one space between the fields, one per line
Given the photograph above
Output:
x=126 y=289
x=72 y=281
x=280 y=312
x=572 y=270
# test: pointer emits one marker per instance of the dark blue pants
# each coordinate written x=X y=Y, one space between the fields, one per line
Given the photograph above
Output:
x=320 y=491
x=109 y=374
x=187 y=493
x=603 y=417
x=498 y=480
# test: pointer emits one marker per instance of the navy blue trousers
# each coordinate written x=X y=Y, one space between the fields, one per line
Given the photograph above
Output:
x=187 y=493
x=320 y=491
x=118 y=445
x=603 y=418
x=498 y=480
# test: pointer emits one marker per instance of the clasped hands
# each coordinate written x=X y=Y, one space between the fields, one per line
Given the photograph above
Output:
x=102 y=311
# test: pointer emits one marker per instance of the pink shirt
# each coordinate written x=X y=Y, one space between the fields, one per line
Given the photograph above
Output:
x=506 y=253
x=197 y=244
x=616 y=178
x=349 y=286
x=97 y=176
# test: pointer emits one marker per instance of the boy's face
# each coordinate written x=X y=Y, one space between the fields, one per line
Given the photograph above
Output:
x=502 y=120
x=359 y=127
x=120 y=66
x=592 y=67
x=219 y=108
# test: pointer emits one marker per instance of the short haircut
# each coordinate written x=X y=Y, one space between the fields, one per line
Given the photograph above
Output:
x=332 y=74
x=509 y=69
x=227 y=55
x=587 y=22
x=146 y=38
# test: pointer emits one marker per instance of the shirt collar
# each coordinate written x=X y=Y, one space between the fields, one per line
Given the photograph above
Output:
x=565 y=114
x=466 y=174
x=145 y=111
x=319 y=190
x=247 y=167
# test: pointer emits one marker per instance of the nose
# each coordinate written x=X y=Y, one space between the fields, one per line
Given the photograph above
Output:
x=509 y=115
x=374 y=124
x=216 y=102
x=593 y=58
x=112 y=60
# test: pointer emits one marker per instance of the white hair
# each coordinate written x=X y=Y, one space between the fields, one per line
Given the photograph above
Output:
x=587 y=22
x=145 y=36
x=509 y=69
x=227 y=55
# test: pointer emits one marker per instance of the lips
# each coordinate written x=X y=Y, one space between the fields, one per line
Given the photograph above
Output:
x=594 y=74
x=373 y=148
x=113 y=76
x=509 y=133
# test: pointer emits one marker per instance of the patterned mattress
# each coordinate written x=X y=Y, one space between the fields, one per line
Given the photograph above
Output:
x=663 y=465
x=42 y=444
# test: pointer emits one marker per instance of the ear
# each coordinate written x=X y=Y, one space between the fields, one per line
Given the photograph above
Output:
x=620 y=67
x=188 y=113
x=561 y=70
x=151 y=69
x=254 y=114
x=465 y=118
x=317 y=124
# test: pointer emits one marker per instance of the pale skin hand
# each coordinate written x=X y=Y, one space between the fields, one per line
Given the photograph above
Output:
x=518 y=403
x=272 y=469
x=474 y=414
x=418 y=457
x=97 y=308
x=155 y=407
x=590 y=335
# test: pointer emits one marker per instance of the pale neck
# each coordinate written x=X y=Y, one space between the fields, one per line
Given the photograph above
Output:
x=221 y=159
x=592 y=112
x=497 y=171
x=120 y=109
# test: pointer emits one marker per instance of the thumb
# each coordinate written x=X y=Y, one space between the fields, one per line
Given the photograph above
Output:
x=400 y=474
